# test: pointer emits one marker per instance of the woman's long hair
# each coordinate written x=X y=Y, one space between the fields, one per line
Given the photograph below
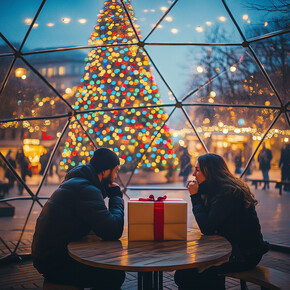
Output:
x=216 y=171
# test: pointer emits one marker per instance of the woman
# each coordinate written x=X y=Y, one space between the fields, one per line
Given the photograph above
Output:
x=223 y=205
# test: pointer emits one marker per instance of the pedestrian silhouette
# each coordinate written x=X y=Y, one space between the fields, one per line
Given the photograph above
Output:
x=238 y=162
x=43 y=160
x=8 y=173
x=23 y=164
x=264 y=159
x=185 y=164
x=284 y=164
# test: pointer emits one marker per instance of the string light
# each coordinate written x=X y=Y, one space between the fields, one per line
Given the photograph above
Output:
x=200 y=69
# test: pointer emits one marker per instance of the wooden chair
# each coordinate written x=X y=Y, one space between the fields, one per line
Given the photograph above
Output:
x=265 y=277
x=47 y=285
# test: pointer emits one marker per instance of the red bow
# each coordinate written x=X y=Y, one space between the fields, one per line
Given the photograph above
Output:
x=152 y=198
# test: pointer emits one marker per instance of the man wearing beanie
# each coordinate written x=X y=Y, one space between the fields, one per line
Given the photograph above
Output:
x=73 y=210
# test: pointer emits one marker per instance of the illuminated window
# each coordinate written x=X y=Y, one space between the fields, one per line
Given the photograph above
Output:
x=61 y=70
x=43 y=71
x=50 y=72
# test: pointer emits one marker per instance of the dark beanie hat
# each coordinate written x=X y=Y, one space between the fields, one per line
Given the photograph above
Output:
x=104 y=159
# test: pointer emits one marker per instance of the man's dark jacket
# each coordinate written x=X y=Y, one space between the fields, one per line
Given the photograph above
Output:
x=226 y=215
x=73 y=210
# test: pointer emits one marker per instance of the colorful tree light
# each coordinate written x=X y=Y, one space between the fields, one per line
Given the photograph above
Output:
x=119 y=77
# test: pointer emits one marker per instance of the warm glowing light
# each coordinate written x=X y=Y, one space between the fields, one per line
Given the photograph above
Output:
x=66 y=20
x=267 y=103
x=28 y=21
x=50 y=24
x=245 y=17
x=286 y=139
x=181 y=142
x=99 y=42
x=266 y=24
x=163 y=8
x=174 y=30
x=233 y=68
x=208 y=23
x=35 y=25
x=19 y=72
x=23 y=77
x=198 y=146
x=168 y=18
x=210 y=100
x=212 y=94
x=220 y=124
x=200 y=69
x=222 y=19
x=248 y=21
x=199 y=29
x=82 y=21
x=68 y=90
x=145 y=10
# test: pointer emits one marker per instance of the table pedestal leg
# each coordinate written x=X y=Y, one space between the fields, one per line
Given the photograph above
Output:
x=150 y=280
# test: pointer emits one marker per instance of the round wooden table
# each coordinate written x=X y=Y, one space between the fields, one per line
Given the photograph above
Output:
x=150 y=258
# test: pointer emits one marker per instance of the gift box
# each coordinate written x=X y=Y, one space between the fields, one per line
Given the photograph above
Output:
x=163 y=219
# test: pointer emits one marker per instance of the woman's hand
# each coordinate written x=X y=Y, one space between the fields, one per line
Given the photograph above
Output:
x=192 y=187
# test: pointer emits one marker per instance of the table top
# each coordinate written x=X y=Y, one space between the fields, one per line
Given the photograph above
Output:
x=198 y=251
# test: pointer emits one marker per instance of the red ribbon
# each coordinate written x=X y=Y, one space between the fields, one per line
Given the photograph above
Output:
x=159 y=221
x=152 y=198
x=158 y=215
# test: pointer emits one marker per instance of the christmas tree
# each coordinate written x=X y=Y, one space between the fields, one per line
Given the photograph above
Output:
x=119 y=77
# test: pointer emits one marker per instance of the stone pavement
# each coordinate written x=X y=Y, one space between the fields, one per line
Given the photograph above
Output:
x=273 y=211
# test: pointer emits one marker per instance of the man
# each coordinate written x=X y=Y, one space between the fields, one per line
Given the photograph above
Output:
x=264 y=159
x=73 y=210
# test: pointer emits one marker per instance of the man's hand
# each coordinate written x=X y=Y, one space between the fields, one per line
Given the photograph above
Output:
x=113 y=184
x=192 y=187
x=114 y=189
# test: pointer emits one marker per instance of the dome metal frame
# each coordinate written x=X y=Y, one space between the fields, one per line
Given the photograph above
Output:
x=283 y=107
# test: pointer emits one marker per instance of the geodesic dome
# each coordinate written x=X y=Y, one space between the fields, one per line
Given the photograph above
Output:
x=144 y=78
